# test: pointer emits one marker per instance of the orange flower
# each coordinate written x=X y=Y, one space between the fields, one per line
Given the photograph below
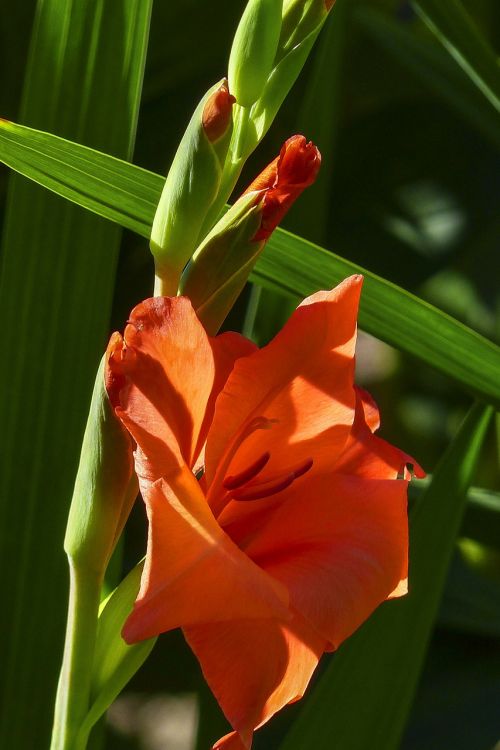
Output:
x=296 y=530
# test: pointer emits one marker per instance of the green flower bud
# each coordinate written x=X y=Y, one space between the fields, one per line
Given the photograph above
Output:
x=105 y=486
x=191 y=186
x=221 y=265
x=254 y=49
x=300 y=18
x=301 y=24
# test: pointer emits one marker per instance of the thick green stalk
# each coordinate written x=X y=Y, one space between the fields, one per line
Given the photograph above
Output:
x=73 y=692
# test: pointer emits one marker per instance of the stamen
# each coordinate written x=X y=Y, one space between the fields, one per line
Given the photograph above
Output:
x=264 y=489
x=215 y=498
x=236 y=480
x=303 y=468
x=271 y=486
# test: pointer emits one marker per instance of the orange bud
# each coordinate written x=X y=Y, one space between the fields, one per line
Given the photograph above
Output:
x=217 y=113
x=284 y=179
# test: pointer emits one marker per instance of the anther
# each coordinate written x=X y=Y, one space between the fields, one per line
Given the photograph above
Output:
x=236 y=480
x=264 y=489
x=271 y=486
x=303 y=468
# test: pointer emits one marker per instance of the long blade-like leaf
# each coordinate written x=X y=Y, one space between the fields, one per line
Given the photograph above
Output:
x=433 y=68
x=83 y=81
x=455 y=29
x=365 y=695
x=290 y=264
x=110 y=187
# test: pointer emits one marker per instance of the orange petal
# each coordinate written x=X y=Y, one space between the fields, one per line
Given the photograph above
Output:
x=284 y=180
x=370 y=408
x=341 y=549
x=217 y=113
x=163 y=377
x=302 y=383
x=367 y=455
x=254 y=668
x=193 y=572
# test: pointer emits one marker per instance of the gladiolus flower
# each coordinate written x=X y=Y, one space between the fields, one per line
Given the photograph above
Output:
x=277 y=519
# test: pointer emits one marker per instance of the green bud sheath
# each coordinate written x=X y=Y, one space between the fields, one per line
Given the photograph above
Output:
x=105 y=489
x=300 y=18
x=223 y=262
x=191 y=186
x=105 y=486
x=302 y=22
x=221 y=265
x=254 y=48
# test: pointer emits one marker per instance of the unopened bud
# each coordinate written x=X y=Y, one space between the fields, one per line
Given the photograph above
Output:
x=105 y=486
x=192 y=185
x=217 y=113
x=254 y=49
x=222 y=264
x=284 y=179
x=300 y=18
x=301 y=23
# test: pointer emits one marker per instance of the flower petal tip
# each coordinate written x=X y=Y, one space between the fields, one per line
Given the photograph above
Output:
x=235 y=741
x=283 y=181
x=217 y=112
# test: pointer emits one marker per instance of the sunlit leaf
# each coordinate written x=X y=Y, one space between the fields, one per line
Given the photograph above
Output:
x=83 y=81
x=290 y=264
x=457 y=32
x=433 y=68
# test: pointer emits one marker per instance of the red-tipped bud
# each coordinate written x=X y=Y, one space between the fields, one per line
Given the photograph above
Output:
x=329 y=5
x=216 y=116
x=284 y=179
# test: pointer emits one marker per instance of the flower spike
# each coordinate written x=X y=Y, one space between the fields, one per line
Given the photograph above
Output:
x=221 y=265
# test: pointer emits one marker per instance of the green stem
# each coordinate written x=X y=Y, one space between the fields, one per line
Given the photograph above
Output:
x=73 y=692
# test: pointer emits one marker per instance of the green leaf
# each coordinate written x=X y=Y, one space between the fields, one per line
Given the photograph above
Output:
x=115 y=662
x=364 y=697
x=434 y=68
x=318 y=118
x=107 y=186
x=481 y=521
x=471 y=599
x=289 y=264
x=457 y=32
x=84 y=81
x=482 y=517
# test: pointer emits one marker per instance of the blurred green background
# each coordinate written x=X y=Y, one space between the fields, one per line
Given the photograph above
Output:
x=410 y=189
